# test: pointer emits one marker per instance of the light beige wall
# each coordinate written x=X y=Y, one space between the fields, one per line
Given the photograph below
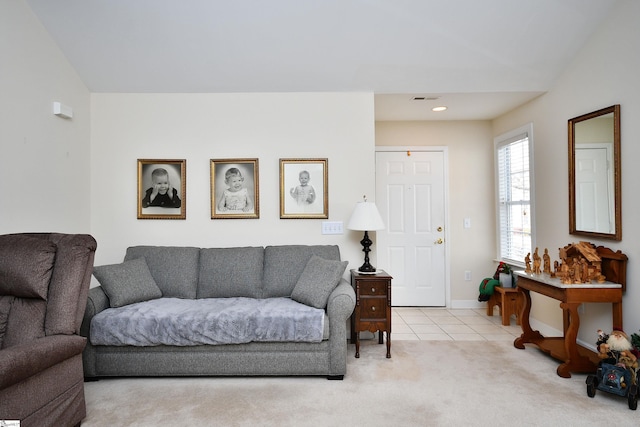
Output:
x=44 y=165
x=470 y=147
x=603 y=73
x=200 y=127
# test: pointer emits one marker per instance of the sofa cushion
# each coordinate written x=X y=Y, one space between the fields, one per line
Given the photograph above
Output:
x=208 y=321
x=284 y=264
x=26 y=267
x=318 y=280
x=174 y=268
x=127 y=283
x=230 y=272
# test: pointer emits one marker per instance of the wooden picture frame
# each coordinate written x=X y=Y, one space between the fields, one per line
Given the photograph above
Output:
x=304 y=188
x=234 y=189
x=169 y=177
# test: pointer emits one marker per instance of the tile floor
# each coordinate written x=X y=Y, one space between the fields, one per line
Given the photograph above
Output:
x=414 y=323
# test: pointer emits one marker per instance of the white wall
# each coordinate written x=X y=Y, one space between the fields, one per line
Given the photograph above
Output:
x=471 y=195
x=47 y=163
x=44 y=164
x=200 y=127
x=604 y=73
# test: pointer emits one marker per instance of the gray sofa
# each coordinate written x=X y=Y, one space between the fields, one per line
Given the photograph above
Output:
x=310 y=275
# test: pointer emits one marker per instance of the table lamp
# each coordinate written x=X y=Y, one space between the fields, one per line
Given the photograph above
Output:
x=365 y=217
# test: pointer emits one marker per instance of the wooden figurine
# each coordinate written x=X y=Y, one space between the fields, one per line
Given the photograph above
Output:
x=536 y=262
x=527 y=262
x=547 y=261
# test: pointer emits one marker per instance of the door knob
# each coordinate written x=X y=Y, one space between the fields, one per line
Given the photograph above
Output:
x=439 y=242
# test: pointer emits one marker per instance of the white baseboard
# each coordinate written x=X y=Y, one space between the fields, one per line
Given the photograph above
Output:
x=468 y=304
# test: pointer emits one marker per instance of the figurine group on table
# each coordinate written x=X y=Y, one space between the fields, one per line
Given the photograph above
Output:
x=579 y=263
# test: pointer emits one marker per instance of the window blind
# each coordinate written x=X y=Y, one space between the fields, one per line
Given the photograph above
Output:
x=514 y=194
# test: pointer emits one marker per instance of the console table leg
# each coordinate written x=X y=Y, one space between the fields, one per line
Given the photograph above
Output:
x=528 y=334
x=573 y=361
x=571 y=333
x=616 y=313
x=357 y=345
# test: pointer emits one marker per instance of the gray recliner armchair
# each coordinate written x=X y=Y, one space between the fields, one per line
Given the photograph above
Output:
x=44 y=282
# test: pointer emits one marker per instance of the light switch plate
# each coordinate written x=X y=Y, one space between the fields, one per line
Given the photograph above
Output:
x=332 y=227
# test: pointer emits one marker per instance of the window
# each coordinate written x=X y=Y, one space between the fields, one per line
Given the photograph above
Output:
x=514 y=178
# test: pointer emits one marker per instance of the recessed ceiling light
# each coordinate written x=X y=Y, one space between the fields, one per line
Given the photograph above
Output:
x=439 y=108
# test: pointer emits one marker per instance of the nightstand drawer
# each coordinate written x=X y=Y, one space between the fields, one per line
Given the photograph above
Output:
x=373 y=309
x=373 y=288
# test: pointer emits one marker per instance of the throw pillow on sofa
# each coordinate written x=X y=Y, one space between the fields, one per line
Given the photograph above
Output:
x=318 y=279
x=127 y=283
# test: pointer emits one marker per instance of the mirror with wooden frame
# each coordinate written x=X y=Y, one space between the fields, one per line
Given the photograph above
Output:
x=594 y=174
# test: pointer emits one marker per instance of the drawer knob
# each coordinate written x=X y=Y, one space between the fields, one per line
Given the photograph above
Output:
x=373 y=309
x=373 y=289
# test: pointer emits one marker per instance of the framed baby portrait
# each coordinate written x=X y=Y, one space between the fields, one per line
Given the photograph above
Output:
x=304 y=188
x=234 y=188
x=162 y=188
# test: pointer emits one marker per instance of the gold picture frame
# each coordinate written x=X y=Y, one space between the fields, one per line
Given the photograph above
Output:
x=304 y=188
x=162 y=189
x=235 y=189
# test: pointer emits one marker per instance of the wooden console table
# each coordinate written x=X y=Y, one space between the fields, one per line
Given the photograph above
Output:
x=575 y=357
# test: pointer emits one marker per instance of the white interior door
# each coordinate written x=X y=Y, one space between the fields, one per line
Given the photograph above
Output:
x=410 y=193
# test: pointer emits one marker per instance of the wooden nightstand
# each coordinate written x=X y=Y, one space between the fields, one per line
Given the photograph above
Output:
x=373 y=307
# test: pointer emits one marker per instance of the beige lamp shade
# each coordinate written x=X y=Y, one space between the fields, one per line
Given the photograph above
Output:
x=365 y=217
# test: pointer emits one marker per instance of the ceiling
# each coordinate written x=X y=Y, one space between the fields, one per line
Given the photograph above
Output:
x=480 y=58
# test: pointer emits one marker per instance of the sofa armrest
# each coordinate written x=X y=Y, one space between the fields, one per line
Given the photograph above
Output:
x=341 y=302
x=96 y=302
x=21 y=361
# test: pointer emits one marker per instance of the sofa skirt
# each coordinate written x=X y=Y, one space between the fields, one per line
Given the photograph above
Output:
x=252 y=359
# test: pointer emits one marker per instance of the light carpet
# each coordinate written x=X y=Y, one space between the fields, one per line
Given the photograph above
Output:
x=425 y=383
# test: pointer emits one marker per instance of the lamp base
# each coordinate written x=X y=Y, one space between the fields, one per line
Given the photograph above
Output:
x=367 y=269
x=366 y=248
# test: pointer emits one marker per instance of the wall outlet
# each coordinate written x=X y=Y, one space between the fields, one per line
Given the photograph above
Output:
x=467 y=223
x=467 y=276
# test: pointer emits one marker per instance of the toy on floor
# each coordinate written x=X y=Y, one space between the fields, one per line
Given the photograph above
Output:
x=618 y=367
x=617 y=349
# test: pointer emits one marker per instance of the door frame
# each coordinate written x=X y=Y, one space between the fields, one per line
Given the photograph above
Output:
x=447 y=255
